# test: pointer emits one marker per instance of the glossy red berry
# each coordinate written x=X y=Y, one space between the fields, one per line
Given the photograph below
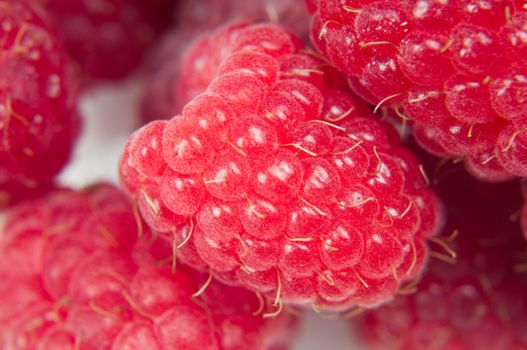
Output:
x=452 y=67
x=298 y=193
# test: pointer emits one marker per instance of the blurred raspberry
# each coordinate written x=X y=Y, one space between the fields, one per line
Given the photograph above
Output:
x=80 y=272
x=38 y=117
x=107 y=38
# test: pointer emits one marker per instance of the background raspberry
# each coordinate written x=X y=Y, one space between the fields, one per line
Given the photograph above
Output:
x=453 y=68
x=107 y=38
x=38 y=116
x=482 y=295
x=79 y=271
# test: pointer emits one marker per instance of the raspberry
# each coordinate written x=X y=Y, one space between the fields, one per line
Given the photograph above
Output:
x=170 y=86
x=38 y=117
x=456 y=69
x=75 y=275
x=278 y=179
x=107 y=38
x=482 y=297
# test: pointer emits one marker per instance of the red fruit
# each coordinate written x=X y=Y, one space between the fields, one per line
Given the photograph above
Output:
x=38 y=117
x=173 y=84
x=107 y=38
x=90 y=276
x=283 y=180
x=478 y=302
x=453 y=67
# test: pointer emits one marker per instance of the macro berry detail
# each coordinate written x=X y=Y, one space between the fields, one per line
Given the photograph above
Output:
x=280 y=179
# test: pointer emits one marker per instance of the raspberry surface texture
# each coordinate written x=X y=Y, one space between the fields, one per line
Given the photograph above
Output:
x=78 y=272
x=456 y=69
x=107 y=38
x=38 y=117
x=193 y=21
x=478 y=302
x=278 y=179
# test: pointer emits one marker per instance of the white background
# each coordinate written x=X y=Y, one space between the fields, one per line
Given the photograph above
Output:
x=110 y=114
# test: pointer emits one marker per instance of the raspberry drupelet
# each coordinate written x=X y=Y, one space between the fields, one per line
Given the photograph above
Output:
x=456 y=69
x=78 y=272
x=278 y=179
x=480 y=302
x=38 y=116
x=107 y=38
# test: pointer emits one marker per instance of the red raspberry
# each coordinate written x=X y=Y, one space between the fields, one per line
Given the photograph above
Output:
x=457 y=69
x=107 y=38
x=38 y=117
x=163 y=98
x=278 y=179
x=479 y=302
x=73 y=277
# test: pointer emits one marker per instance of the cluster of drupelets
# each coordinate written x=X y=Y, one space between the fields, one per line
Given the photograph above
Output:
x=455 y=69
x=265 y=185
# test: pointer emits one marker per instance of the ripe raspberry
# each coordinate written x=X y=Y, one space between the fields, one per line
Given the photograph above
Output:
x=107 y=38
x=276 y=178
x=456 y=69
x=73 y=277
x=38 y=117
x=479 y=302
x=163 y=98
